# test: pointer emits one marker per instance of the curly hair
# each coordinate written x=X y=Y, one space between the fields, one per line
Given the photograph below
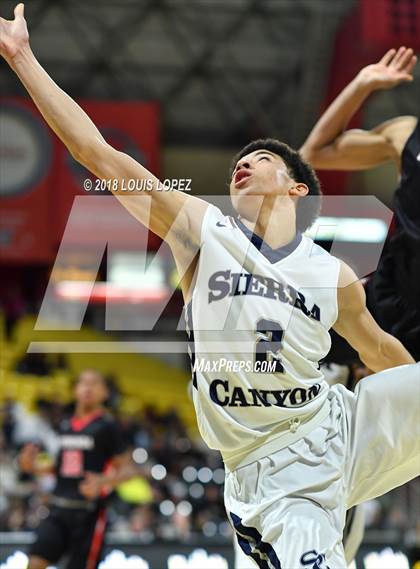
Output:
x=307 y=210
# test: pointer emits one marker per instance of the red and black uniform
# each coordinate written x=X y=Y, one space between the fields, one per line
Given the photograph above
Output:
x=75 y=525
x=393 y=292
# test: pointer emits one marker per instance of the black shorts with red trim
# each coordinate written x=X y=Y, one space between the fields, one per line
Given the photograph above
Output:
x=74 y=533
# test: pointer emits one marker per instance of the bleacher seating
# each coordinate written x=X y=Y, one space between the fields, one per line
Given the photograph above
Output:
x=142 y=380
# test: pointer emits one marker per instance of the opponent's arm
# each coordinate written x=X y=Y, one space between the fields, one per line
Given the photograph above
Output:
x=122 y=469
x=329 y=146
x=84 y=141
x=377 y=349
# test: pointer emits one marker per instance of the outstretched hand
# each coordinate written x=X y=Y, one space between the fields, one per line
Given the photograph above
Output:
x=13 y=34
x=394 y=68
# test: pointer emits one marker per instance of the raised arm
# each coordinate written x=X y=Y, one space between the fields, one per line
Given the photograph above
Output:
x=377 y=349
x=169 y=209
x=329 y=146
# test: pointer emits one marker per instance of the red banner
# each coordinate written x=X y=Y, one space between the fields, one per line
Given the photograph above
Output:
x=27 y=154
x=39 y=178
x=129 y=127
x=387 y=23
x=350 y=54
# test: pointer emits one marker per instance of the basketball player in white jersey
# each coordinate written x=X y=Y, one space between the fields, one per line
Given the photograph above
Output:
x=297 y=453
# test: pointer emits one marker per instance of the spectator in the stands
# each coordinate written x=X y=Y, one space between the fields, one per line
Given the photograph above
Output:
x=7 y=422
x=34 y=364
x=114 y=396
x=13 y=308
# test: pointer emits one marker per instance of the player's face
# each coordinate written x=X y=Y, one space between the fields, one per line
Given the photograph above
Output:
x=257 y=176
x=90 y=390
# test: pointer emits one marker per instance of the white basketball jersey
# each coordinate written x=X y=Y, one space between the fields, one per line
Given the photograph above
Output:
x=258 y=324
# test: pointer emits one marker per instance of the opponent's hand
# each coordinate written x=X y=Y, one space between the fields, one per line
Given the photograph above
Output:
x=394 y=68
x=13 y=35
x=91 y=486
x=27 y=458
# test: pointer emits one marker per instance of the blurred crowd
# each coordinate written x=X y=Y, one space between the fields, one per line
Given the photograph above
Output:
x=178 y=491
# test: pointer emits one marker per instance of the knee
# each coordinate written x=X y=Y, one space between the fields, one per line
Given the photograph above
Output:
x=37 y=563
x=394 y=381
x=389 y=397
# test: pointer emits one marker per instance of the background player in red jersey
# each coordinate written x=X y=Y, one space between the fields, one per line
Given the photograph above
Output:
x=91 y=461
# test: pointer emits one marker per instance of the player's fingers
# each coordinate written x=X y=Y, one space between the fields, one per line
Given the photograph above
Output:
x=404 y=59
x=19 y=10
x=387 y=58
x=411 y=64
x=401 y=77
x=395 y=60
x=406 y=77
x=400 y=57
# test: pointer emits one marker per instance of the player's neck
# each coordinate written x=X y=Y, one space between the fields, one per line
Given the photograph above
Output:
x=277 y=226
x=82 y=411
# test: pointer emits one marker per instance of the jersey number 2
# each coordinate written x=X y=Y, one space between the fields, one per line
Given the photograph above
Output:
x=269 y=342
x=72 y=464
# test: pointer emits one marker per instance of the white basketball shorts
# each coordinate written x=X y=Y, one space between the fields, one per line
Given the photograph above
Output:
x=288 y=509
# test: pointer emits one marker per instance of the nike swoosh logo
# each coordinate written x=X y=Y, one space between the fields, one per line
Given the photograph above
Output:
x=219 y=224
x=418 y=157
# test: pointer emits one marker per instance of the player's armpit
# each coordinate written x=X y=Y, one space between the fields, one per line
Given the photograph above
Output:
x=397 y=131
x=353 y=150
x=173 y=215
x=377 y=349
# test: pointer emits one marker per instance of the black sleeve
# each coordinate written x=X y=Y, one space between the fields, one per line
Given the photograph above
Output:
x=115 y=442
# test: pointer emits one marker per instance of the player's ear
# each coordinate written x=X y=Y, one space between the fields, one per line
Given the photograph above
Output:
x=299 y=190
